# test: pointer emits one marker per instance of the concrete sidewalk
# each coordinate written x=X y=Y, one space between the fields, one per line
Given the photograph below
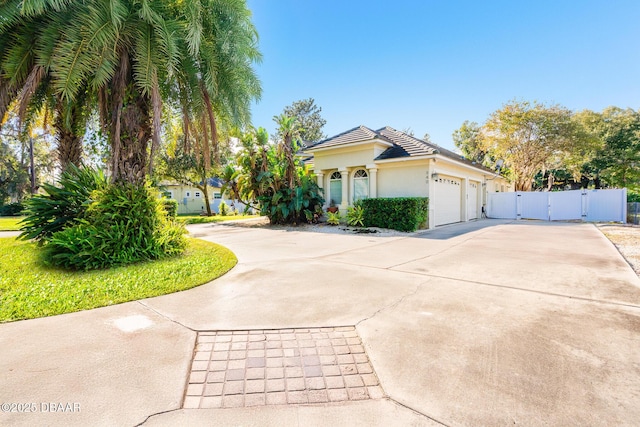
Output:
x=485 y=323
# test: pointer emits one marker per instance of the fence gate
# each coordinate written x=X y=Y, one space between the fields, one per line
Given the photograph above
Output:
x=586 y=205
x=633 y=213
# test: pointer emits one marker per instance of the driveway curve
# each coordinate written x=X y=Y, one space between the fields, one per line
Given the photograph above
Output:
x=485 y=323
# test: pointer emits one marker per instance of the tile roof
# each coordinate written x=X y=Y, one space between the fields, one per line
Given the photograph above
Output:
x=404 y=145
x=357 y=134
x=215 y=182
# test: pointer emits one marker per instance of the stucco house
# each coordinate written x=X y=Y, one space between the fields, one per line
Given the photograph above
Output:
x=362 y=162
x=191 y=199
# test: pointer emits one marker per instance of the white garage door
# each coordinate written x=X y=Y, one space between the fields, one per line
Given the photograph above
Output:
x=447 y=200
x=472 y=201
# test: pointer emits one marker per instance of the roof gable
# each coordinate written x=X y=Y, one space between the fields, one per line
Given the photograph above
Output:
x=357 y=134
x=403 y=145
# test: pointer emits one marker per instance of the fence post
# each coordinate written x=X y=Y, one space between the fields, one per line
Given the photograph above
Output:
x=624 y=206
x=633 y=213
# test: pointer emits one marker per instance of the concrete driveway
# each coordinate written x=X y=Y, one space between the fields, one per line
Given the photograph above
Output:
x=485 y=323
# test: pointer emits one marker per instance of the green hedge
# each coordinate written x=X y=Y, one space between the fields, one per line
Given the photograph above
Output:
x=399 y=213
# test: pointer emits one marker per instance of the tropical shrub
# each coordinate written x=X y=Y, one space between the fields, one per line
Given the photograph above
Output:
x=401 y=213
x=125 y=223
x=333 y=218
x=12 y=209
x=355 y=215
x=223 y=208
x=63 y=205
x=293 y=205
x=170 y=207
x=271 y=178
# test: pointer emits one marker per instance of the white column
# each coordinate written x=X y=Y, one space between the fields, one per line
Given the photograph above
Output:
x=373 y=181
x=344 y=172
x=432 y=190
x=320 y=177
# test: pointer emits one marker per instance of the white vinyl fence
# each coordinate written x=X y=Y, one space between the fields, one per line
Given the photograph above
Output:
x=586 y=205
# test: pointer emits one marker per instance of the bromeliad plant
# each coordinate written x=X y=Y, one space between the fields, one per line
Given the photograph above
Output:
x=333 y=218
x=355 y=216
x=272 y=179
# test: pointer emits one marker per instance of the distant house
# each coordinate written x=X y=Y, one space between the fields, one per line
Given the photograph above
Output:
x=191 y=199
x=361 y=163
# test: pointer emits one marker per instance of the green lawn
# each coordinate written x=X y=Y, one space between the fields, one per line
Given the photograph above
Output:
x=28 y=289
x=197 y=219
x=10 y=223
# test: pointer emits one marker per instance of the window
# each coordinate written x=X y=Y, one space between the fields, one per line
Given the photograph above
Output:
x=188 y=193
x=167 y=194
x=217 y=195
x=198 y=194
x=360 y=185
x=335 y=188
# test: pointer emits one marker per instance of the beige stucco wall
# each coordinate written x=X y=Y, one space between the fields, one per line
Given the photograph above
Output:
x=406 y=180
x=346 y=156
x=409 y=177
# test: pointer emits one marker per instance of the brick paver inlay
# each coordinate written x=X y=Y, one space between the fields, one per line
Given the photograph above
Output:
x=233 y=369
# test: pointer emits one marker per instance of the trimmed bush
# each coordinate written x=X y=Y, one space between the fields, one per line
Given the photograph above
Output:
x=12 y=209
x=170 y=207
x=63 y=205
x=400 y=213
x=223 y=208
x=126 y=223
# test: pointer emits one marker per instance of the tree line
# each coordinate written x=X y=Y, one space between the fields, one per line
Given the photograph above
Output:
x=551 y=147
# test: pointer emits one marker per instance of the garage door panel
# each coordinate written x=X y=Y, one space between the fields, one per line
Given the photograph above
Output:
x=472 y=201
x=447 y=200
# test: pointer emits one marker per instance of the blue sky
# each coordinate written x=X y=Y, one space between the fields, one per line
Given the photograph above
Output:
x=431 y=65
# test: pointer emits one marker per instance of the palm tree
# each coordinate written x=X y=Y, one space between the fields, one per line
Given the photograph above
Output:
x=126 y=57
x=25 y=40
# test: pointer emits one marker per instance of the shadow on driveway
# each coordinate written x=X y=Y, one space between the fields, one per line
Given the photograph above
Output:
x=454 y=230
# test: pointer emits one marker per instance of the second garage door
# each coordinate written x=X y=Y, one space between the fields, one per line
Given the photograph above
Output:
x=472 y=200
x=447 y=200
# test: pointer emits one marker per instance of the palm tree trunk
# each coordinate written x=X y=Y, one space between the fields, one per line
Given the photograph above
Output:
x=129 y=126
x=135 y=133
x=69 y=142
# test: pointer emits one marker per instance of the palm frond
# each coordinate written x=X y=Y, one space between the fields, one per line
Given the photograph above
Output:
x=28 y=90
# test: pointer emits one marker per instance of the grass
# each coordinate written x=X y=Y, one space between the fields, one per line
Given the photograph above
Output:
x=197 y=219
x=29 y=289
x=10 y=223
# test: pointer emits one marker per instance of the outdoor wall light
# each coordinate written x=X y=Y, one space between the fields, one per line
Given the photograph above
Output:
x=435 y=175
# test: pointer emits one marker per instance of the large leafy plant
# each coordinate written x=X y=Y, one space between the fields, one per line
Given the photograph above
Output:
x=355 y=216
x=271 y=178
x=125 y=223
x=62 y=205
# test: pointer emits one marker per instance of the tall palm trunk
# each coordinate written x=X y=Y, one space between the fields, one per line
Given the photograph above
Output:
x=129 y=125
x=68 y=124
